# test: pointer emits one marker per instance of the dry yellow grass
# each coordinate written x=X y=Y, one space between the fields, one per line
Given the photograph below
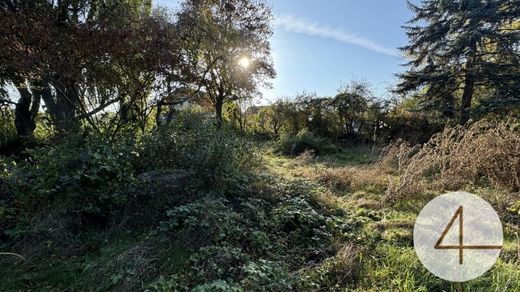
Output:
x=485 y=153
x=349 y=179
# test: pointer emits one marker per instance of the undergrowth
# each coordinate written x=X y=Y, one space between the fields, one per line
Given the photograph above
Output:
x=485 y=153
x=180 y=209
x=190 y=209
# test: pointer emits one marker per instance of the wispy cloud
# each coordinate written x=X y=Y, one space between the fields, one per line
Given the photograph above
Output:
x=298 y=25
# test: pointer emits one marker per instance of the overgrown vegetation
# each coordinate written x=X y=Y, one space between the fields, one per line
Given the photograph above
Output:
x=483 y=154
x=130 y=161
x=303 y=141
x=233 y=228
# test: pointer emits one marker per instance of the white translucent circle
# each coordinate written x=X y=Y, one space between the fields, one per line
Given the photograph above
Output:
x=481 y=236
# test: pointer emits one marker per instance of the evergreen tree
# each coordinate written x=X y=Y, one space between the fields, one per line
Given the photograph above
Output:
x=460 y=50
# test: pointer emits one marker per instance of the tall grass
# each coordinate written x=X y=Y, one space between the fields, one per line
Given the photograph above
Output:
x=486 y=153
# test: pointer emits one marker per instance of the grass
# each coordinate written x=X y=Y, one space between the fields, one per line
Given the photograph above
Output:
x=388 y=261
x=381 y=259
x=105 y=263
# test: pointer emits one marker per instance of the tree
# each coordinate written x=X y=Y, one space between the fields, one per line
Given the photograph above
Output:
x=227 y=43
x=272 y=118
x=85 y=57
x=351 y=105
x=461 y=48
x=26 y=109
x=316 y=113
x=233 y=114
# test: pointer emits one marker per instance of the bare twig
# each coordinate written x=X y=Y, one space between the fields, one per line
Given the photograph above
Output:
x=13 y=254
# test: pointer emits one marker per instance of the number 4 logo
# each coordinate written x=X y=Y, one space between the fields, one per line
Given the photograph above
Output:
x=461 y=247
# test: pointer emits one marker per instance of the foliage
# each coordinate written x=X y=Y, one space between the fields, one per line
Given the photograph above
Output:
x=214 y=156
x=218 y=35
x=99 y=56
x=7 y=130
x=96 y=196
x=85 y=174
x=203 y=222
x=353 y=116
x=92 y=176
x=461 y=50
x=271 y=120
x=304 y=141
x=253 y=241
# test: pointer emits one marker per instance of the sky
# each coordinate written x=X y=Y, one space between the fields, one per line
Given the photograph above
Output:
x=319 y=46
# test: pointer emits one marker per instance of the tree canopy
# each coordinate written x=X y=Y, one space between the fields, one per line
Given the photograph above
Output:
x=110 y=64
x=462 y=49
x=228 y=46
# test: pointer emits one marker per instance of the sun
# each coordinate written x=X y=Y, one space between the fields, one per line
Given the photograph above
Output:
x=244 y=62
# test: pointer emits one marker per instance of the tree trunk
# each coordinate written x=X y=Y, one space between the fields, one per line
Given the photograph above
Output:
x=469 y=87
x=66 y=105
x=467 y=96
x=26 y=110
x=44 y=91
x=240 y=118
x=158 y=113
x=60 y=107
x=218 y=111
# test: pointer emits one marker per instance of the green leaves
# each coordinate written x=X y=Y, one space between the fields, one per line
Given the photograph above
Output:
x=215 y=157
x=253 y=241
x=83 y=173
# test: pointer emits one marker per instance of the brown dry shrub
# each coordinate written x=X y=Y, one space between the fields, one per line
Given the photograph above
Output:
x=339 y=179
x=350 y=179
x=377 y=175
x=306 y=157
x=397 y=155
x=485 y=153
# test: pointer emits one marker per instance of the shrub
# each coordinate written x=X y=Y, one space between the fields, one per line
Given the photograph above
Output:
x=221 y=262
x=217 y=157
x=7 y=129
x=304 y=141
x=335 y=272
x=266 y=275
x=372 y=178
x=82 y=173
x=396 y=156
x=90 y=176
x=297 y=217
x=218 y=285
x=411 y=127
x=203 y=222
x=308 y=231
x=339 y=179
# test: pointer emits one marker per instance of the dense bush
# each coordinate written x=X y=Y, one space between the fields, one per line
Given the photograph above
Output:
x=293 y=145
x=216 y=157
x=202 y=222
x=413 y=128
x=83 y=173
x=91 y=176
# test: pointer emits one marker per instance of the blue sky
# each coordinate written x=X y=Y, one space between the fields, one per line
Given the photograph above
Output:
x=320 y=45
